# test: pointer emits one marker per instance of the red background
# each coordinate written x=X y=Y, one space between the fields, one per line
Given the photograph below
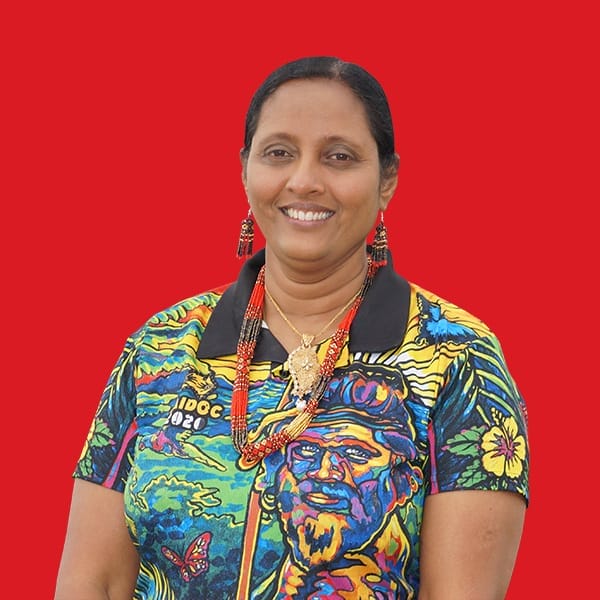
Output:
x=121 y=195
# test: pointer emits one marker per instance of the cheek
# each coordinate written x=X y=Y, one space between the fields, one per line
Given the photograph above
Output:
x=262 y=200
x=358 y=195
x=255 y=191
x=262 y=185
x=370 y=472
x=300 y=467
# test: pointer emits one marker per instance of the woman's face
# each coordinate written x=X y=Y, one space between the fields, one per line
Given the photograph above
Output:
x=312 y=174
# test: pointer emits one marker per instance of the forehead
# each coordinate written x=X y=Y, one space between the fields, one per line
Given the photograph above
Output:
x=343 y=433
x=314 y=106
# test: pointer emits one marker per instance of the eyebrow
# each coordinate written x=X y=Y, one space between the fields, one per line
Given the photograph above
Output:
x=277 y=135
x=330 y=139
x=346 y=441
x=341 y=139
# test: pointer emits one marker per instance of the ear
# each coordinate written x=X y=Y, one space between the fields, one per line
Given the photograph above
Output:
x=244 y=161
x=389 y=182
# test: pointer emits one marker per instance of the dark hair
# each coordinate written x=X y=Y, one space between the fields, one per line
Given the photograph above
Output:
x=366 y=88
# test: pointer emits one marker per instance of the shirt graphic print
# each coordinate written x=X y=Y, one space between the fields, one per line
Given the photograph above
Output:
x=335 y=514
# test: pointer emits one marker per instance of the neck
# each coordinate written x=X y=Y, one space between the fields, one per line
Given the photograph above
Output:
x=309 y=297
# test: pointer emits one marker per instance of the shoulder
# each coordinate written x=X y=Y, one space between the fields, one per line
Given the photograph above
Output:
x=188 y=315
x=434 y=320
x=444 y=336
x=194 y=308
x=463 y=348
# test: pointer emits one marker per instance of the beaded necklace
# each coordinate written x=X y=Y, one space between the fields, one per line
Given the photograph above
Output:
x=253 y=452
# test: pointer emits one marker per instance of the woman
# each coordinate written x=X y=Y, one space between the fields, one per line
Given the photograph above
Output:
x=319 y=429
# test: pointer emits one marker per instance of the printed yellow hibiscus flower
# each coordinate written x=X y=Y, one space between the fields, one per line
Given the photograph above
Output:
x=504 y=449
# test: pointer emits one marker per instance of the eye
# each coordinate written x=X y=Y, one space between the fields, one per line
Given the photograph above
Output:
x=341 y=156
x=277 y=153
x=306 y=450
x=357 y=455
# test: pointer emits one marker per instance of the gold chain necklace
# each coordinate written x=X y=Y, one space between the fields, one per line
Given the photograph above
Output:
x=303 y=362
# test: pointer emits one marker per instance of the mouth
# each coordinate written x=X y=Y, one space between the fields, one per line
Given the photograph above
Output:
x=319 y=499
x=307 y=215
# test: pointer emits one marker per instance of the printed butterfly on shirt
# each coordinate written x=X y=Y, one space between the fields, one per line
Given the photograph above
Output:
x=195 y=560
x=434 y=327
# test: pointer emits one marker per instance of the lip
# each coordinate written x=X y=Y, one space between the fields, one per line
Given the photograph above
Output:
x=307 y=215
x=320 y=499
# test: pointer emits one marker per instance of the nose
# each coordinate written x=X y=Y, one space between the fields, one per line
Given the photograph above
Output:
x=305 y=177
x=329 y=468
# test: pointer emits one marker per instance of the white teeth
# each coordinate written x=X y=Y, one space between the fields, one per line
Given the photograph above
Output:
x=303 y=215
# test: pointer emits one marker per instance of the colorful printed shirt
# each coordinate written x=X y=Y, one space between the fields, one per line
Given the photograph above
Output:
x=420 y=402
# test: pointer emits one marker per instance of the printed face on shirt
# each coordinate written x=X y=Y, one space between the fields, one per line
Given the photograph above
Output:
x=333 y=491
x=313 y=175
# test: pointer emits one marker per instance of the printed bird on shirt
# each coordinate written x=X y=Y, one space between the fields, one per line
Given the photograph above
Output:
x=434 y=327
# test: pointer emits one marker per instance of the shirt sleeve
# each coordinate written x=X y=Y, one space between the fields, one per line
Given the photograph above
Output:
x=478 y=427
x=107 y=454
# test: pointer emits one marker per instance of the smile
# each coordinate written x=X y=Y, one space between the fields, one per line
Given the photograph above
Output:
x=307 y=215
x=317 y=499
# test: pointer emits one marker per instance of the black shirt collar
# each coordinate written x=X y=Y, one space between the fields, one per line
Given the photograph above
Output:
x=380 y=323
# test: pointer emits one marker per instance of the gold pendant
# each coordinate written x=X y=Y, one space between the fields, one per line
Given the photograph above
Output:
x=304 y=366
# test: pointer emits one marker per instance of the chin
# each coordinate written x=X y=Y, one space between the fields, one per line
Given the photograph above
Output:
x=314 y=253
x=317 y=539
x=301 y=253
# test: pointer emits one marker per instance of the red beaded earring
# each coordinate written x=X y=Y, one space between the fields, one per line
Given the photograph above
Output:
x=246 y=241
x=379 y=249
